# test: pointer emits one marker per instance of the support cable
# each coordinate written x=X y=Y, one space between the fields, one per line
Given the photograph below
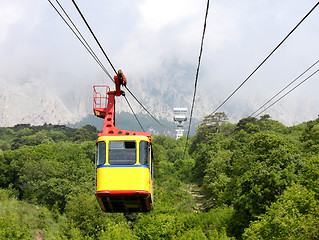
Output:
x=128 y=103
x=143 y=107
x=81 y=38
x=265 y=59
x=89 y=49
x=97 y=59
x=196 y=78
x=288 y=92
x=97 y=41
x=284 y=89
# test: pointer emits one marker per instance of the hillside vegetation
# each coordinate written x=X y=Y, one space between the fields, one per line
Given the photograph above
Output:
x=256 y=179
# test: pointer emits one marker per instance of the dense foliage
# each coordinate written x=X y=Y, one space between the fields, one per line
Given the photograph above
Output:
x=256 y=179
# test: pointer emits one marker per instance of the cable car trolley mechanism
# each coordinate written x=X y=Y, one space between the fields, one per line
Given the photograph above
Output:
x=123 y=158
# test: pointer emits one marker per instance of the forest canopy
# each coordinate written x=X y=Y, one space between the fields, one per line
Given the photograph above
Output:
x=255 y=179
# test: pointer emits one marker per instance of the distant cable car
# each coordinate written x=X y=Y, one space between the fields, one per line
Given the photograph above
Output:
x=179 y=118
x=123 y=158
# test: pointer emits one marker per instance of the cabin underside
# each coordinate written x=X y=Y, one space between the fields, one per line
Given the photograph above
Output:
x=138 y=201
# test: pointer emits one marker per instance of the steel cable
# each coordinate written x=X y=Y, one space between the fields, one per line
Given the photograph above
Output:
x=284 y=89
x=196 y=78
x=266 y=58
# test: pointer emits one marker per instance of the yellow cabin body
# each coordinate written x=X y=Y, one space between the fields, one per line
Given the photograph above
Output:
x=124 y=173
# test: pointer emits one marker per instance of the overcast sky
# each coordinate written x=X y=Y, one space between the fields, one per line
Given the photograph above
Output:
x=143 y=37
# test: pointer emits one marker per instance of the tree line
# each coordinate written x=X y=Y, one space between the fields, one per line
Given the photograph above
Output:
x=255 y=179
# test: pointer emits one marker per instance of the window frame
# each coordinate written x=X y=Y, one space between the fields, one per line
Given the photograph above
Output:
x=123 y=153
x=99 y=147
x=142 y=150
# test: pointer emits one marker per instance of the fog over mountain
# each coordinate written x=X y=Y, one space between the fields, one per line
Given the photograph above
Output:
x=31 y=101
x=46 y=76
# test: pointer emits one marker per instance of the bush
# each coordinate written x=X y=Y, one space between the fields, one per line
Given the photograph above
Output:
x=293 y=216
x=10 y=227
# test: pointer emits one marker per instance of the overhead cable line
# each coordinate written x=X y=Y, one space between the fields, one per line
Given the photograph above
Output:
x=80 y=37
x=96 y=58
x=265 y=59
x=97 y=41
x=89 y=49
x=196 y=78
x=288 y=92
x=134 y=113
x=284 y=89
x=144 y=107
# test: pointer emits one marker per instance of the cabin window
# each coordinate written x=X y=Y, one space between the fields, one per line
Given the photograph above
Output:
x=122 y=152
x=144 y=153
x=100 y=154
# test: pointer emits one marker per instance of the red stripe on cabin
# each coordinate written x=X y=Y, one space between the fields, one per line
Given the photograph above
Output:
x=122 y=192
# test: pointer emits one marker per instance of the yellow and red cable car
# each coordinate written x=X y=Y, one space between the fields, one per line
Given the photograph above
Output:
x=123 y=158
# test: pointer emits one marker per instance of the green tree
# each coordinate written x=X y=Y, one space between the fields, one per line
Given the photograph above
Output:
x=248 y=124
x=159 y=226
x=310 y=175
x=262 y=174
x=293 y=216
x=214 y=120
x=32 y=140
x=86 y=133
x=205 y=153
x=47 y=174
x=119 y=231
x=84 y=213
x=310 y=137
x=11 y=229
x=217 y=176
x=211 y=124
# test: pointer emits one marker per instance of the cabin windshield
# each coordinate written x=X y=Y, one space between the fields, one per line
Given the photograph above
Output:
x=144 y=153
x=122 y=152
x=100 y=153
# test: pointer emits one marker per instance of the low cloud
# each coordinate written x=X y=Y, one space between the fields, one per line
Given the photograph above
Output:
x=157 y=46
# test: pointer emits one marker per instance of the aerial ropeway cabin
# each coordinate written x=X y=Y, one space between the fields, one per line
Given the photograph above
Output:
x=123 y=158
